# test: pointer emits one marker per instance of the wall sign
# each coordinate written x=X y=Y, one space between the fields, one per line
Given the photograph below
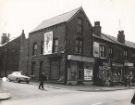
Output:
x=95 y=49
x=88 y=74
x=48 y=42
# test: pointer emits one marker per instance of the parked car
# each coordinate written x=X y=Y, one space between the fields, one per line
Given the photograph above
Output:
x=18 y=77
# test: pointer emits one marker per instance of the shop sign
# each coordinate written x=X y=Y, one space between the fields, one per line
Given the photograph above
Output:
x=95 y=49
x=128 y=64
x=117 y=64
x=80 y=58
x=48 y=42
x=88 y=74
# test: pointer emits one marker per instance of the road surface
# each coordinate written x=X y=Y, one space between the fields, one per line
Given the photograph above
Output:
x=29 y=94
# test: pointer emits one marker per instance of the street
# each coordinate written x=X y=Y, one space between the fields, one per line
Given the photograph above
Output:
x=29 y=94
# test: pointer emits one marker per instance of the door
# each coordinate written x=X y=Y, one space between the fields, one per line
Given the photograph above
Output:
x=80 y=66
x=54 y=74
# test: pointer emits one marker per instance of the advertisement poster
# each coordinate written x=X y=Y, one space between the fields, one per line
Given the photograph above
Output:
x=88 y=74
x=48 y=42
x=95 y=49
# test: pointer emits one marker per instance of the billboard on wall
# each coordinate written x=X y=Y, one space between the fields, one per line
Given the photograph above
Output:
x=95 y=49
x=88 y=74
x=48 y=42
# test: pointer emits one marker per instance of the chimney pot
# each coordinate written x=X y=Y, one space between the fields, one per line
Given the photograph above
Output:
x=121 y=36
x=97 y=23
x=97 y=28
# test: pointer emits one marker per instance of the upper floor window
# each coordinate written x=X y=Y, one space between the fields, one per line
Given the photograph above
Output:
x=79 y=25
x=110 y=51
x=55 y=45
x=34 y=48
x=79 y=46
x=125 y=53
x=102 y=51
x=42 y=47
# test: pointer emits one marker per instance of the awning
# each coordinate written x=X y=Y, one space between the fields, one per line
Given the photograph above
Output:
x=80 y=58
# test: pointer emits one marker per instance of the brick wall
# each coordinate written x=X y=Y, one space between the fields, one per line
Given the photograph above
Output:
x=10 y=54
x=38 y=37
x=86 y=35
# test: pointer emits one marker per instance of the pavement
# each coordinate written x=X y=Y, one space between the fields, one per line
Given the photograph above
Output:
x=3 y=94
x=88 y=88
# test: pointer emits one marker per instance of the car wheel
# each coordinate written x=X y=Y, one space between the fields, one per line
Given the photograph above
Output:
x=17 y=80
x=9 y=80
x=27 y=82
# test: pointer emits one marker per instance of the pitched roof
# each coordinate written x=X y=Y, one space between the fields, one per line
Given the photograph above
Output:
x=113 y=39
x=1 y=45
x=127 y=43
x=57 y=20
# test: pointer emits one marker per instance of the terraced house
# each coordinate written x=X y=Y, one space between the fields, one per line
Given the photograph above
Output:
x=70 y=50
x=114 y=57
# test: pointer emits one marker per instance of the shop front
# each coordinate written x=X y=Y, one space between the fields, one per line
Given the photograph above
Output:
x=109 y=73
x=117 y=73
x=104 y=73
x=129 y=68
x=79 y=69
x=129 y=72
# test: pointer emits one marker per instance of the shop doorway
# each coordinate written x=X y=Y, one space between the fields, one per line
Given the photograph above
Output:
x=80 y=69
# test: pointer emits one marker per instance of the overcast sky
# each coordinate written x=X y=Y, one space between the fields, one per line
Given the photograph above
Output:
x=114 y=15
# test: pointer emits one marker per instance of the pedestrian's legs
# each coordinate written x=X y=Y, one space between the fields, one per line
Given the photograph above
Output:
x=40 y=84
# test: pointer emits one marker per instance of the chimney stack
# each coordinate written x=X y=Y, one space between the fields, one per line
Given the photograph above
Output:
x=97 y=28
x=121 y=36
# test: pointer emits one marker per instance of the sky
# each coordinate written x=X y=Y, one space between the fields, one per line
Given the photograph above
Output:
x=114 y=15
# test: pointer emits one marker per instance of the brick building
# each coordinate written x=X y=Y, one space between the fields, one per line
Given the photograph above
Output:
x=10 y=55
x=114 y=57
x=62 y=48
x=70 y=50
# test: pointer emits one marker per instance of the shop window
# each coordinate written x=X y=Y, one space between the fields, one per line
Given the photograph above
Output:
x=79 y=46
x=42 y=47
x=34 y=48
x=79 y=25
x=55 y=45
x=102 y=51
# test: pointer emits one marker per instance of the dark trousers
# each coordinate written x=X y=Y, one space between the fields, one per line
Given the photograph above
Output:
x=41 y=85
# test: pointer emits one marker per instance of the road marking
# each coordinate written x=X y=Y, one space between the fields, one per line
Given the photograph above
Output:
x=100 y=103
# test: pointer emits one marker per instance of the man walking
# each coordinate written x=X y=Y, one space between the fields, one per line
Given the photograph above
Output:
x=42 y=78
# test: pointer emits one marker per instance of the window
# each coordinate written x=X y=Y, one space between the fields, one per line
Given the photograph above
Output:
x=79 y=46
x=55 y=45
x=102 y=51
x=125 y=53
x=42 y=47
x=110 y=51
x=79 y=25
x=34 y=49
x=33 y=65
